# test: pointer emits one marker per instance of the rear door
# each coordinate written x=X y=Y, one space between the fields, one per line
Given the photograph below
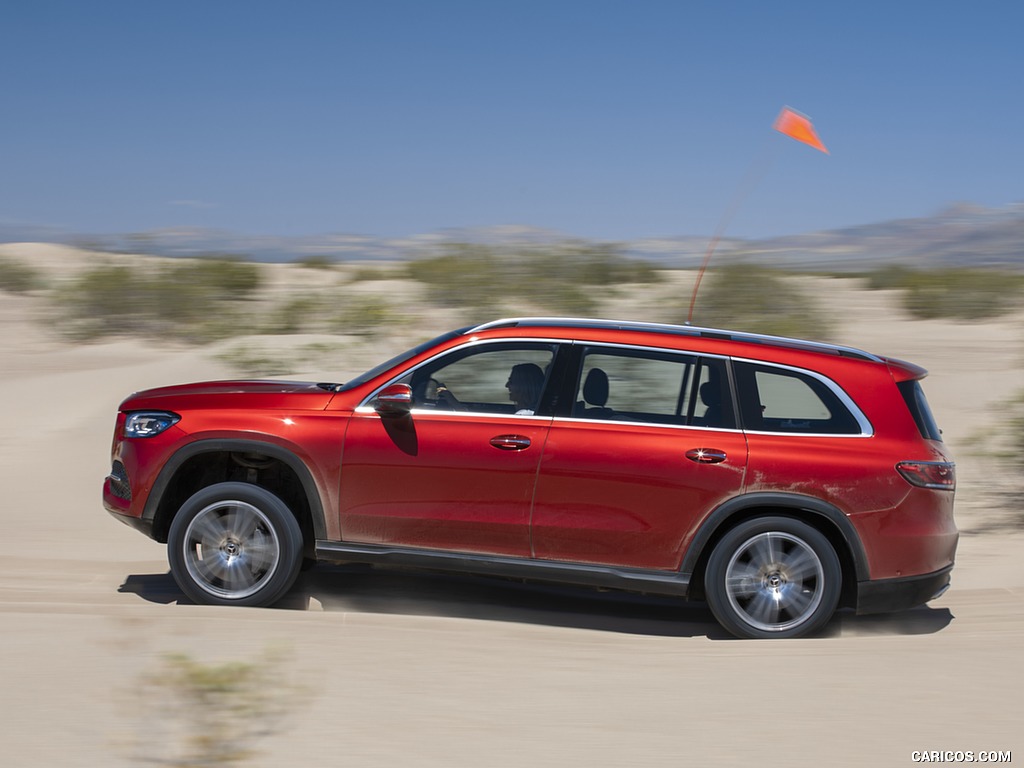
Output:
x=648 y=447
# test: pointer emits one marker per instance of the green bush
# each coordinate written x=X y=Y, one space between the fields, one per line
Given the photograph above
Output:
x=189 y=301
x=751 y=298
x=889 y=278
x=294 y=315
x=258 y=363
x=316 y=261
x=568 y=277
x=365 y=315
x=17 y=277
x=958 y=293
x=228 y=279
x=365 y=274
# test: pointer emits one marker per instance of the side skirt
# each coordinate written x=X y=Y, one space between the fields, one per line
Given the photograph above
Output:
x=582 y=574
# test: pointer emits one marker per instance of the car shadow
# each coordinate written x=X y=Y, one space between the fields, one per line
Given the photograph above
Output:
x=368 y=589
x=923 y=620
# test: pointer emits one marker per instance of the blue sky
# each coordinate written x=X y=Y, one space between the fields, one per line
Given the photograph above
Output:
x=606 y=120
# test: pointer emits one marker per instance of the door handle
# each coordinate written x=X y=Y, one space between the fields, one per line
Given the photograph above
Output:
x=706 y=455
x=510 y=442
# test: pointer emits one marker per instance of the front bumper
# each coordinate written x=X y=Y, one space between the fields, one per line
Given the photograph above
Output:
x=117 y=500
x=138 y=523
x=888 y=595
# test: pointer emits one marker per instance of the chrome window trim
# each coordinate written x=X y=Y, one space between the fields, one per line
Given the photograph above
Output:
x=645 y=424
x=646 y=348
x=867 y=429
x=424 y=412
x=427 y=412
x=694 y=331
x=833 y=435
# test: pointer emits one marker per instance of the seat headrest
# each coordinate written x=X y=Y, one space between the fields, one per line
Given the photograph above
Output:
x=710 y=394
x=595 y=387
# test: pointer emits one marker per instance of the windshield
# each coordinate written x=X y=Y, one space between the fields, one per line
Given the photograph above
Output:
x=399 y=359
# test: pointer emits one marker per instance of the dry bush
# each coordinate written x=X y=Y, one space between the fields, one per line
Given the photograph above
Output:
x=745 y=297
x=191 y=301
x=567 y=278
x=198 y=714
x=18 y=277
x=957 y=293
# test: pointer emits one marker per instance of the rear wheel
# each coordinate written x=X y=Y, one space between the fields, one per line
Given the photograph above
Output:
x=773 y=577
x=234 y=544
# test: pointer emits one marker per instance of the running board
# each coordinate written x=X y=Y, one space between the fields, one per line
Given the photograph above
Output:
x=582 y=574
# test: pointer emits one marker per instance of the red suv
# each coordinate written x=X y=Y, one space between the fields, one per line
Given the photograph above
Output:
x=779 y=479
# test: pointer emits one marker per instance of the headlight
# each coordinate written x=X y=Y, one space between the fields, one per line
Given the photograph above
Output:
x=149 y=423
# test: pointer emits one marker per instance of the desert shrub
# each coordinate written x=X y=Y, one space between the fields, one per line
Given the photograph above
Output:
x=258 y=363
x=894 y=277
x=1015 y=425
x=1001 y=445
x=365 y=274
x=226 y=278
x=251 y=359
x=958 y=293
x=364 y=315
x=568 y=277
x=199 y=714
x=102 y=301
x=295 y=315
x=316 y=261
x=189 y=301
x=17 y=277
x=753 y=298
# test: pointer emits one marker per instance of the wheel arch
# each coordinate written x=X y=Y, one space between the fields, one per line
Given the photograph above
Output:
x=299 y=491
x=824 y=517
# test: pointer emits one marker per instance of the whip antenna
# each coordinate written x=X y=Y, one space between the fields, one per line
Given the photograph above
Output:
x=791 y=123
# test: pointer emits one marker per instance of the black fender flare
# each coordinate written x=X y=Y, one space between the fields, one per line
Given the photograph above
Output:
x=779 y=501
x=186 y=452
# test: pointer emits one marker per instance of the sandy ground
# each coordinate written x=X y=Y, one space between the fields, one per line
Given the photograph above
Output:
x=424 y=670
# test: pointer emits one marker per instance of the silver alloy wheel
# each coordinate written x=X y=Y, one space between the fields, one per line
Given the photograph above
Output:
x=774 y=581
x=231 y=549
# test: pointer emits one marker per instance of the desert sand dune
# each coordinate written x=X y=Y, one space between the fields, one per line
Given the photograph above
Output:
x=425 y=670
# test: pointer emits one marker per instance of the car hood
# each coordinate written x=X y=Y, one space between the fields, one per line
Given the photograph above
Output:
x=227 y=394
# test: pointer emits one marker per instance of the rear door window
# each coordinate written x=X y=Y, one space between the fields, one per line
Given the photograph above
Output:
x=653 y=387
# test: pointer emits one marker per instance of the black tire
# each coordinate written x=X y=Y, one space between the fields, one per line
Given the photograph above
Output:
x=773 y=577
x=234 y=544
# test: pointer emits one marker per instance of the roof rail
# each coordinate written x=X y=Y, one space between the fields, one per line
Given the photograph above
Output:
x=678 y=330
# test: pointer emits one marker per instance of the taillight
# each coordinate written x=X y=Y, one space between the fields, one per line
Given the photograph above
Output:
x=929 y=474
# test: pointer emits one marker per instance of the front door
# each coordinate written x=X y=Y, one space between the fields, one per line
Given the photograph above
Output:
x=458 y=473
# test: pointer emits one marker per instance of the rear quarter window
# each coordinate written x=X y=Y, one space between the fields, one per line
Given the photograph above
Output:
x=786 y=400
x=914 y=397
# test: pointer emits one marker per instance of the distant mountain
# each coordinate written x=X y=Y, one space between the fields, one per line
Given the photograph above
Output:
x=961 y=235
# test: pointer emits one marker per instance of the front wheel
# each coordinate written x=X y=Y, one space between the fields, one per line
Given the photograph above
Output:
x=234 y=544
x=773 y=577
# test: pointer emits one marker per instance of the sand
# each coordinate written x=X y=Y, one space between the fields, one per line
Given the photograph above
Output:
x=426 y=670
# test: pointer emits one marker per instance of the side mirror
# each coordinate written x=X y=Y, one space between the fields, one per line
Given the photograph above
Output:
x=394 y=400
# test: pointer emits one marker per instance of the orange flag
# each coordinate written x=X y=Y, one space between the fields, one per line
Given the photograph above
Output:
x=798 y=127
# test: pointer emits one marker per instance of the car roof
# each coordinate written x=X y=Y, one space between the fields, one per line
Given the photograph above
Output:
x=690 y=331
